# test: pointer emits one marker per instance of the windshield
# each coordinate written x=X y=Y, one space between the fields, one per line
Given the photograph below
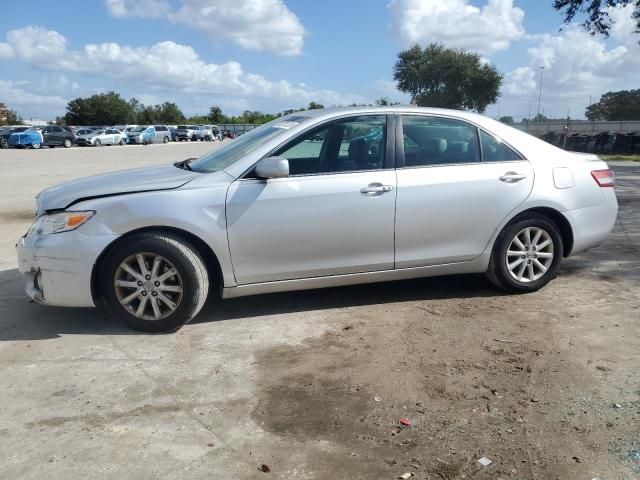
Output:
x=236 y=149
x=138 y=129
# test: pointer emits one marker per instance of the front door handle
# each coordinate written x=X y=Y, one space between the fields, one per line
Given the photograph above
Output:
x=376 y=188
x=512 y=177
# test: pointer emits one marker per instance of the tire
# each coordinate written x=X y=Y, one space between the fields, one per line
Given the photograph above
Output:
x=35 y=146
x=507 y=279
x=178 y=254
x=97 y=142
x=121 y=142
x=67 y=143
x=165 y=140
x=4 y=143
x=194 y=138
x=145 y=142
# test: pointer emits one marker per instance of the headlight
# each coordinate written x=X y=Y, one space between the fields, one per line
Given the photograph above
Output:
x=60 y=222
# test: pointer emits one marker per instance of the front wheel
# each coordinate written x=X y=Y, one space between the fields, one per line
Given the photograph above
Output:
x=526 y=255
x=97 y=142
x=35 y=146
x=4 y=143
x=67 y=143
x=155 y=282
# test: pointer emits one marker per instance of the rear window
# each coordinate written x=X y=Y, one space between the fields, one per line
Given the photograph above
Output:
x=182 y=127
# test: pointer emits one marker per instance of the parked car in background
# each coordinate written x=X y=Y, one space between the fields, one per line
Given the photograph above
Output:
x=141 y=135
x=57 y=136
x=110 y=136
x=5 y=133
x=186 y=132
x=446 y=192
x=163 y=134
x=128 y=128
x=31 y=137
x=174 y=134
x=205 y=133
x=79 y=132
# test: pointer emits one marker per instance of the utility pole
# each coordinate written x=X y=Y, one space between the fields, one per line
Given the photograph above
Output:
x=540 y=94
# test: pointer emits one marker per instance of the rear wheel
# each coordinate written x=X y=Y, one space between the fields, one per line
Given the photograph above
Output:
x=97 y=142
x=67 y=143
x=4 y=143
x=194 y=138
x=165 y=140
x=121 y=142
x=526 y=255
x=35 y=146
x=155 y=282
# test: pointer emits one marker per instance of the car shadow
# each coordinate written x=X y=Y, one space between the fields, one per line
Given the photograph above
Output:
x=435 y=288
x=23 y=319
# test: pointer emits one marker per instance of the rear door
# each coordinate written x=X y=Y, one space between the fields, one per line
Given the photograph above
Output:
x=456 y=183
x=333 y=215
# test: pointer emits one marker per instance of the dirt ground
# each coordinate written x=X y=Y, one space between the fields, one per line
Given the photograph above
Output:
x=314 y=384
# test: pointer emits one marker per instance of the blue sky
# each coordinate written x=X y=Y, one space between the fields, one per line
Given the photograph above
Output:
x=276 y=54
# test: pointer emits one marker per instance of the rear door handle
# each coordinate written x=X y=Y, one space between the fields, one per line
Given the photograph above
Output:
x=512 y=177
x=376 y=188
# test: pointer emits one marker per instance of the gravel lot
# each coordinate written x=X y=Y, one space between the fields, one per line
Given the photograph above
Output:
x=313 y=384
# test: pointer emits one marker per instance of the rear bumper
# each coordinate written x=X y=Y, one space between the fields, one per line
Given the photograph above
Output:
x=591 y=226
x=57 y=268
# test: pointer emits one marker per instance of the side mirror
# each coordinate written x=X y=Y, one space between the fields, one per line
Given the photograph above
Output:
x=273 y=167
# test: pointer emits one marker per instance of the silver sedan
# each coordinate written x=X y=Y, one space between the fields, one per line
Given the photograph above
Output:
x=318 y=199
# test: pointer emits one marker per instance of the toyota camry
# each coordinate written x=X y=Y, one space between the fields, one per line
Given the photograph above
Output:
x=318 y=199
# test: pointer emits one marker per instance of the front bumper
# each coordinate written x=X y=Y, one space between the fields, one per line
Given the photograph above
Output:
x=57 y=268
x=84 y=141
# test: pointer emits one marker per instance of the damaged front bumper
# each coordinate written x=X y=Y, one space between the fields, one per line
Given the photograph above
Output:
x=57 y=268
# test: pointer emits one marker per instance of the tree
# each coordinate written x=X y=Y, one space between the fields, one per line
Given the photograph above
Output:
x=598 y=20
x=315 y=106
x=169 y=113
x=540 y=118
x=385 y=101
x=621 y=105
x=507 y=120
x=8 y=116
x=215 y=115
x=101 y=109
x=443 y=77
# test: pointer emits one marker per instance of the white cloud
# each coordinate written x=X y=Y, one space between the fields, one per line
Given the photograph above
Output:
x=261 y=25
x=138 y=8
x=165 y=65
x=17 y=95
x=6 y=51
x=578 y=67
x=575 y=62
x=457 y=23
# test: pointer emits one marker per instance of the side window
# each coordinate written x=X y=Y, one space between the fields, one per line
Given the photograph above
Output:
x=349 y=144
x=493 y=150
x=56 y=129
x=436 y=141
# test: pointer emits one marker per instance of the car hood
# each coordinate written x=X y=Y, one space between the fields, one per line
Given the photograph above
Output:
x=145 y=179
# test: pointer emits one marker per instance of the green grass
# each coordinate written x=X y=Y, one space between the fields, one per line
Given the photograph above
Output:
x=620 y=158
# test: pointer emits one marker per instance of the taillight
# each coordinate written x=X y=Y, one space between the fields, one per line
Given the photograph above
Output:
x=604 y=178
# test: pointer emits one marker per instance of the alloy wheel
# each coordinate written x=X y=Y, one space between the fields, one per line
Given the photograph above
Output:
x=530 y=254
x=148 y=286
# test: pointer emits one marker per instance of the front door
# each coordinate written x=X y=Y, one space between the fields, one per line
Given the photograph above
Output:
x=456 y=184
x=333 y=215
